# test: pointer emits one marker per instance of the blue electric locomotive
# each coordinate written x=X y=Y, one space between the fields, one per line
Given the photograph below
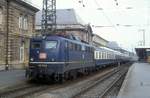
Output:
x=58 y=58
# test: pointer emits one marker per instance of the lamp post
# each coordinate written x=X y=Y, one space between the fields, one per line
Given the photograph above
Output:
x=143 y=34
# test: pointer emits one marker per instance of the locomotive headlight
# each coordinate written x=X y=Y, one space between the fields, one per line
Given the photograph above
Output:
x=31 y=59
x=52 y=59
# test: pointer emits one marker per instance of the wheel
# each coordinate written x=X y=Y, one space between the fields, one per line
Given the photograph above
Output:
x=61 y=79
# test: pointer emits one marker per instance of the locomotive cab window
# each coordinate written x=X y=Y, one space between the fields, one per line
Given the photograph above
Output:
x=51 y=44
x=36 y=45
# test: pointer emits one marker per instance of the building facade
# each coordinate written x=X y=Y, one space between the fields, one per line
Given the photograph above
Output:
x=143 y=53
x=99 y=41
x=17 y=24
x=68 y=22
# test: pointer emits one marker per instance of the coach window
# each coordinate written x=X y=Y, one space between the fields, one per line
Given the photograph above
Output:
x=99 y=55
x=106 y=55
x=88 y=49
x=110 y=56
x=96 y=54
x=80 y=47
x=103 y=55
x=114 y=56
x=83 y=48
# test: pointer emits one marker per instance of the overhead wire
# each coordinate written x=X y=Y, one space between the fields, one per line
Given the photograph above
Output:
x=108 y=19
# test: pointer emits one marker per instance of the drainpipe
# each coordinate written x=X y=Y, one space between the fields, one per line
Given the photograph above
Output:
x=7 y=34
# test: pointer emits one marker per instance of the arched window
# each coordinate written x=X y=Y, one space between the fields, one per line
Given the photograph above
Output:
x=22 y=53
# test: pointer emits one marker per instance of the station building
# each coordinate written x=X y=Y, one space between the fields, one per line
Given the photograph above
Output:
x=143 y=53
x=68 y=22
x=17 y=24
x=99 y=41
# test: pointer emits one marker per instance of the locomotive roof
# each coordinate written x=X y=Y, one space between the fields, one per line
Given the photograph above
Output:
x=59 y=38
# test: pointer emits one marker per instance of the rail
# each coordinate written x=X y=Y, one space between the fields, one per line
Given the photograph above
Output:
x=102 y=86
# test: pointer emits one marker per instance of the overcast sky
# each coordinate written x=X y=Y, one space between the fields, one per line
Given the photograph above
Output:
x=126 y=21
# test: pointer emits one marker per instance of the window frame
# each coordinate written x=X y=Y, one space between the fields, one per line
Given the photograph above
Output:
x=1 y=15
x=51 y=41
x=22 y=54
x=23 y=22
x=35 y=42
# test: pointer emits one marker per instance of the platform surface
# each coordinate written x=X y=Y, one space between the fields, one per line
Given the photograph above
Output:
x=137 y=82
x=12 y=77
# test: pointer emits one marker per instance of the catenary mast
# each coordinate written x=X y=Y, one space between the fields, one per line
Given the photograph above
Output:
x=49 y=17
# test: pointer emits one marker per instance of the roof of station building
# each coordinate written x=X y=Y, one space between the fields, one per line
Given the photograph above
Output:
x=63 y=16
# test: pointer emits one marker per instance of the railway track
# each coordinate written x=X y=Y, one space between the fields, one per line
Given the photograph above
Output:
x=116 y=82
x=76 y=88
x=21 y=91
x=27 y=90
x=79 y=86
x=103 y=86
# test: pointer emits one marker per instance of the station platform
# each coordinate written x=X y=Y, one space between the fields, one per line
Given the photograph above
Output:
x=137 y=82
x=11 y=78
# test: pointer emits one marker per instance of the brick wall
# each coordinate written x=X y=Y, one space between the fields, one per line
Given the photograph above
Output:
x=17 y=37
